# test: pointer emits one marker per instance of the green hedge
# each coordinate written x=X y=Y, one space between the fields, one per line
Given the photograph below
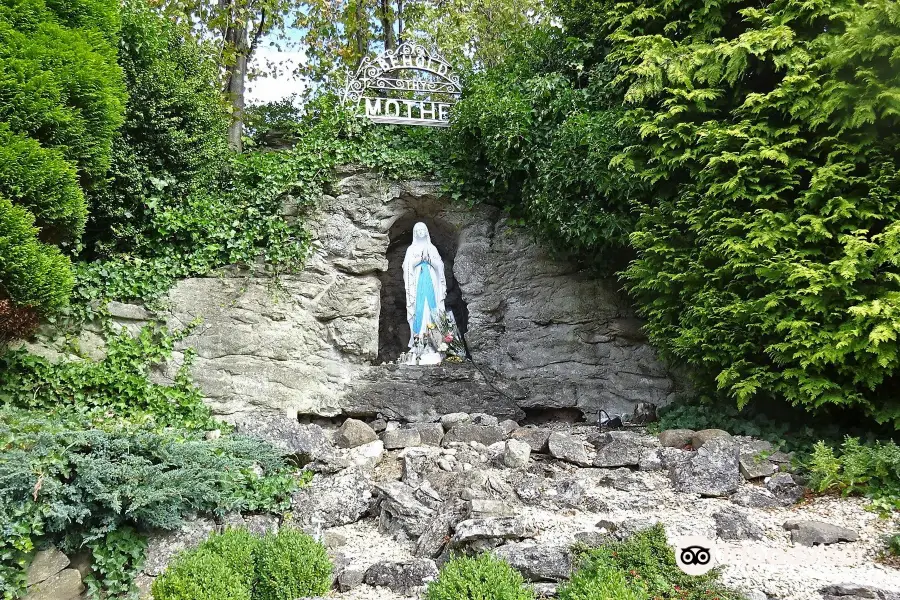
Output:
x=200 y=576
x=173 y=139
x=32 y=274
x=291 y=565
x=62 y=87
x=42 y=181
x=484 y=577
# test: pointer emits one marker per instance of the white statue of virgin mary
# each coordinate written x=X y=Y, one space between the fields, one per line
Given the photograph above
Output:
x=426 y=290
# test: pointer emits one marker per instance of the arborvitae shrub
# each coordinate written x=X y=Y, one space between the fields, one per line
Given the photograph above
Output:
x=200 y=575
x=482 y=578
x=291 y=565
x=32 y=274
x=42 y=181
x=237 y=547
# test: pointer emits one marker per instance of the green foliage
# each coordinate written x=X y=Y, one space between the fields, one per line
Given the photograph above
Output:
x=67 y=481
x=173 y=138
x=871 y=470
x=542 y=138
x=600 y=583
x=200 y=575
x=894 y=544
x=116 y=387
x=59 y=82
x=647 y=564
x=237 y=547
x=767 y=254
x=481 y=578
x=291 y=565
x=41 y=181
x=61 y=100
x=32 y=274
x=238 y=217
x=117 y=558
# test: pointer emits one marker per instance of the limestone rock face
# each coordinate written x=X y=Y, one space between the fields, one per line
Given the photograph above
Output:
x=543 y=333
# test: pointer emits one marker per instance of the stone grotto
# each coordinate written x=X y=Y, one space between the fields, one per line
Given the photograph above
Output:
x=544 y=337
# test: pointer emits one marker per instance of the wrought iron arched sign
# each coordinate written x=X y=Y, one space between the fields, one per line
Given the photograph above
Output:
x=410 y=85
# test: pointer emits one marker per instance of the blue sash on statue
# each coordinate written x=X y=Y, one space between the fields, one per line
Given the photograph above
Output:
x=424 y=293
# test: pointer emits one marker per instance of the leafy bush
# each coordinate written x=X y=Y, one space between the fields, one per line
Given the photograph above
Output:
x=33 y=275
x=647 y=564
x=601 y=583
x=200 y=575
x=237 y=547
x=531 y=134
x=291 y=565
x=60 y=84
x=173 y=139
x=481 y=578
x=116 y=387
x=70 y=483
x=43 y=182
x=867 y=470
x=767 y=256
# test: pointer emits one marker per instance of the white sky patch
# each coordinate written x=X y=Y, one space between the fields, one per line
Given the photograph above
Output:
x=284 y=83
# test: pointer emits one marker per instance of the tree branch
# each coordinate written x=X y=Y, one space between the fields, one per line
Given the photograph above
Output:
x=258 y=34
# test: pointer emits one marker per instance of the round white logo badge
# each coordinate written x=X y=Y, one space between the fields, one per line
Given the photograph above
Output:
x=695 y=555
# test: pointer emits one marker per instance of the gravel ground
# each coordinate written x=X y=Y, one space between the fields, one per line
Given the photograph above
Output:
x=773 y=566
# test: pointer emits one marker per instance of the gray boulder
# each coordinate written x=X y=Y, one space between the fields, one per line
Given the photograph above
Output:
x=783 y=487
x=755 y=497
x=537 y=562
x=813 y=533
x=754 y=467
x=354 y=433
x=701 y=437
x=856 y=591
x=712 y=471
x=470 y=432
x=483 y=508
x=676 y=438
x=64 y=585
x=733 y=524
x=508 y=426
x=485 y=419
x=349 y=578
x=395 y=439
x=45 y=564
x=304 y=442
x=162 y=546
x=450 y=421
x=437 y=533
x=332 y=500
x=401 y=513
x=402 y=577
x=416 y=463
x=569 y=449
x=516 y=454
x=619 y=452
x=431 y=434
x=493 y=530
x=536 y=437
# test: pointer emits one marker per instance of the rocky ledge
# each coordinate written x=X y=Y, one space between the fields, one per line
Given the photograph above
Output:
x=391 y=501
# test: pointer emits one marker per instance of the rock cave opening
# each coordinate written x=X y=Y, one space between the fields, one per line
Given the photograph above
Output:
x=393 y=330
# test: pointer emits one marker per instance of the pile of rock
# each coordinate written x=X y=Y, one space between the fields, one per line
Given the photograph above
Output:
x=54 y=576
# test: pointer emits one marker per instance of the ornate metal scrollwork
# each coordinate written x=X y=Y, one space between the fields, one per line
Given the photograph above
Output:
x=433 y=94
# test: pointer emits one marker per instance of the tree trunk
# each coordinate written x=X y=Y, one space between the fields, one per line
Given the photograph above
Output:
x=387 y=25
x=362 y=31
x=236 y=77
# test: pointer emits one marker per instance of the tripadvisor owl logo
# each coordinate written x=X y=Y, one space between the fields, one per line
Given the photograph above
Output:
x=695 y=555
